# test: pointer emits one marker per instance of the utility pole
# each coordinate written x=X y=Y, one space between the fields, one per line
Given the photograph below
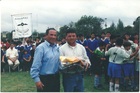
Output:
x=105 y=22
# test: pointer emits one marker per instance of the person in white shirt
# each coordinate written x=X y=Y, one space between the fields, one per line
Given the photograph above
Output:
x=12 y=56
x=73 y=82
x=116 y=57
x=127 y=39
x=128 y=68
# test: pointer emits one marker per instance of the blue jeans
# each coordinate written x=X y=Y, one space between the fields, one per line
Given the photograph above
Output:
x=73 y=82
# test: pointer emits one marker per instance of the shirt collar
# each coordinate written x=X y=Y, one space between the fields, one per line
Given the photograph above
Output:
x=92 y=39
x=48 y=44
x=70 y=45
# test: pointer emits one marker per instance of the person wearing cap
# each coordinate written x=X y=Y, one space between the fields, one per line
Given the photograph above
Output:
x=46 y=62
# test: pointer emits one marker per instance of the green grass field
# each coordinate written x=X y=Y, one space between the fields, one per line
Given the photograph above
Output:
x=22 y=82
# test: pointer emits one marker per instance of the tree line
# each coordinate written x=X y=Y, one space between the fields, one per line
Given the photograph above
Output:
x=88 y=24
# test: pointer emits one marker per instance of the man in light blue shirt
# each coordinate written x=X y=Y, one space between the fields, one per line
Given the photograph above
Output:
x=46 y=63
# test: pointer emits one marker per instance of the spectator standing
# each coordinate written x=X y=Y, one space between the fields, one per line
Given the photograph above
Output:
x=128 y=68
x=26 y=61
x=99 y=58
x=104 y=39
x=91 y=45
x=28 y=47
x=81 y=39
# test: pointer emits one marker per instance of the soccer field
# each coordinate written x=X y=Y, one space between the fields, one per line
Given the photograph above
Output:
x=22 y=82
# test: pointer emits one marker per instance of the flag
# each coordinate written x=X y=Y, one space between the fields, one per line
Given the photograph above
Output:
x=22 y=25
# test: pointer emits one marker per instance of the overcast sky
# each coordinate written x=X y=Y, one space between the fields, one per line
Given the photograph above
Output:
x=55 y=13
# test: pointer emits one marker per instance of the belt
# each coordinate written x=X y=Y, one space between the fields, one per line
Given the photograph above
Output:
x=73 y=73
x=55 y=74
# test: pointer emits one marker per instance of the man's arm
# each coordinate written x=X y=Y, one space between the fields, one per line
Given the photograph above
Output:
x=29 y=58
x=87 y=61
x=35 y=69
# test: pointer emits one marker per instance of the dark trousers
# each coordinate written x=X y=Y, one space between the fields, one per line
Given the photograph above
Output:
x=27 y=66
x=51 y=83
x=105 y=65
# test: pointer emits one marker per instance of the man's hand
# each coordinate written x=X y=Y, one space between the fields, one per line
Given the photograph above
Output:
x=103 y=59
x=39 y=85
x=87 y=65
x=13 y=59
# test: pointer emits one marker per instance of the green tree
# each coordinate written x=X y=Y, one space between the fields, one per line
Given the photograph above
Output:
x=128 y=29
x=88 y=24
x=136 y=24
x=111 y=29
x=62 y=32
x=35 y=34
x=120 y=27
x=72 y=25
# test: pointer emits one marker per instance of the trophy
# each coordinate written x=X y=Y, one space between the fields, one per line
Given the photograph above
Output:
x=72 y=64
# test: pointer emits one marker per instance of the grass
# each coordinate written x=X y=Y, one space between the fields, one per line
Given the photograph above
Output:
x=22 y=82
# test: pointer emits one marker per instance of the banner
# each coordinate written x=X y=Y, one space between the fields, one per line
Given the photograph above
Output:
x=22 y=25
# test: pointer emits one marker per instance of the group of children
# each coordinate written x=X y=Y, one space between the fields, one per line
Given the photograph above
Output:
x=115 y=57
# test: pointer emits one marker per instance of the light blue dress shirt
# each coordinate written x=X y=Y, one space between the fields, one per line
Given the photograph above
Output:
x=46 y=60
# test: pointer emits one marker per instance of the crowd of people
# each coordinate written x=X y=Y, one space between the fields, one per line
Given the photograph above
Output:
x=115 y=57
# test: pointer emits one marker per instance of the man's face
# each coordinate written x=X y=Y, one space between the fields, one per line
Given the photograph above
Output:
x=136 y=36
x=92 y=36
x=127 y=48
x=103 y=35
x=102 y=47
x=12 y=45
x=82 y=38
x=51 y=37
x=127 y=37
x=108 y=34
x=71 y=38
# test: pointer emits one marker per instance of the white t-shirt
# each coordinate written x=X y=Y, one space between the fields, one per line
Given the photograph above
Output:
x=11 y=52
x=132 y=59
x=76 y=51
x=117 y=55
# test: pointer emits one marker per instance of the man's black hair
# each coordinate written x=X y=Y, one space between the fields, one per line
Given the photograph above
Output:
x=102 y=33
x=19 y=42
x=119 y=41
x=92 y=33
x=113 y=37
x=126 y=44
x=47 y=31
x=101 y=43
x=81 y=35
x=37 y=38
x=70 y=30
x=108 y=32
